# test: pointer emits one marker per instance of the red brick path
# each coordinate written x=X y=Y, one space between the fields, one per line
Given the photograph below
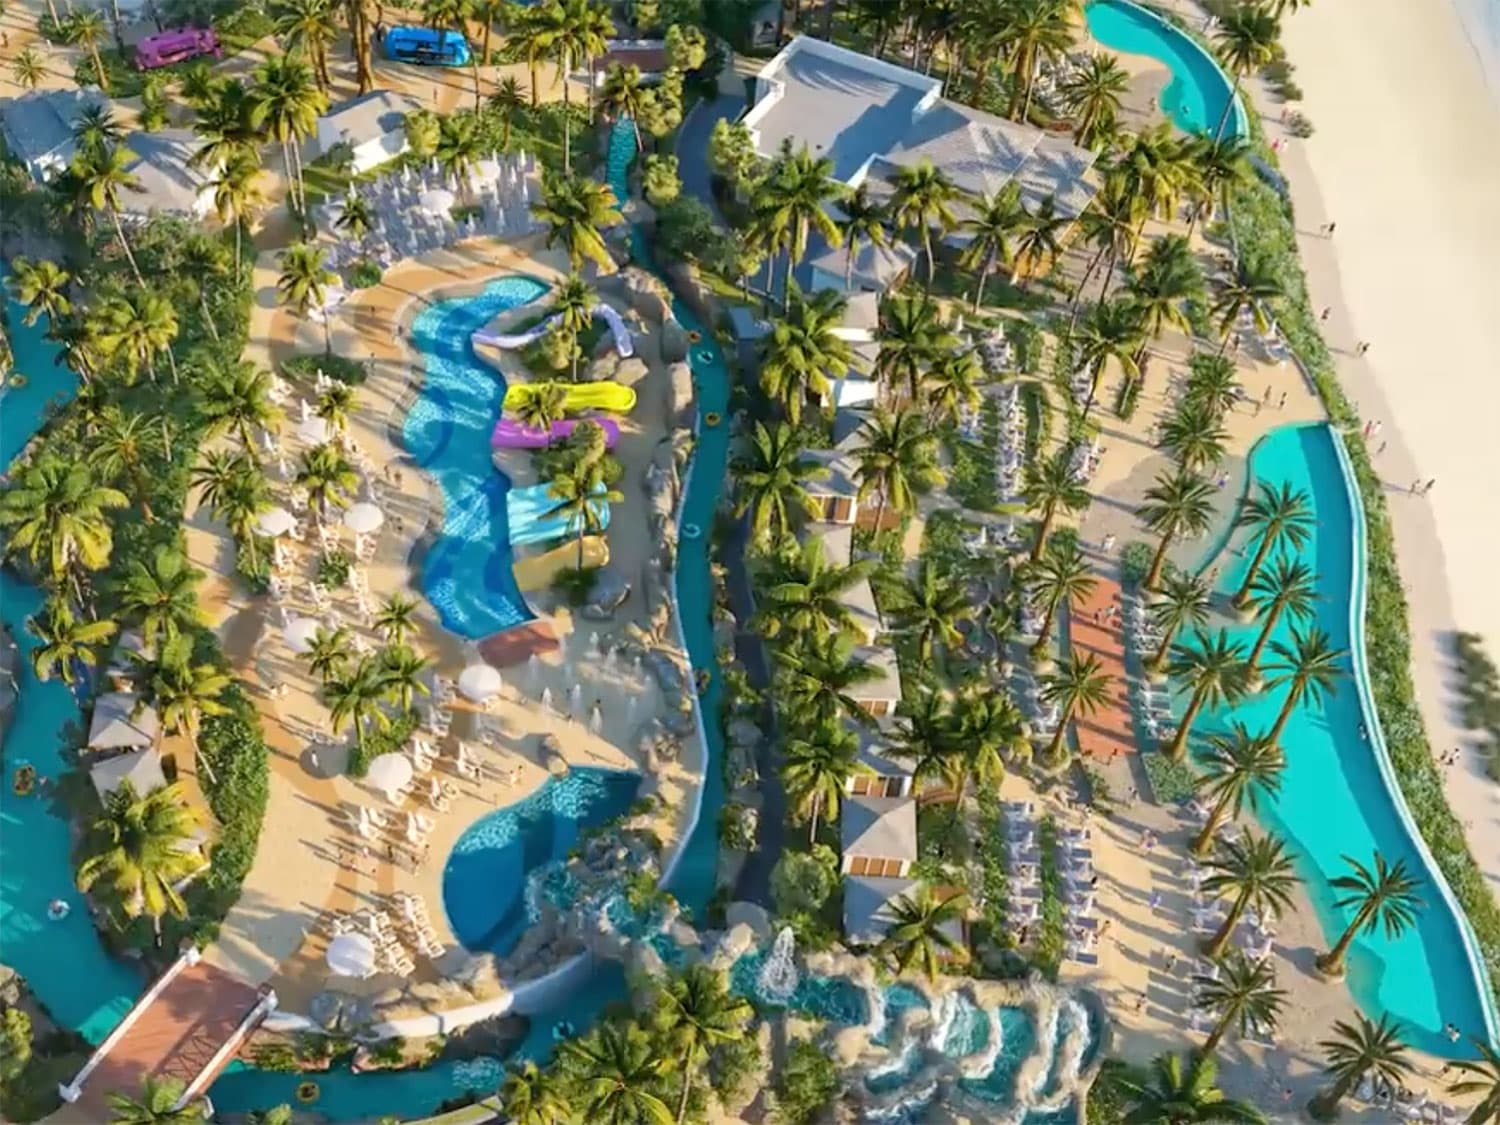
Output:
x=1107 y=732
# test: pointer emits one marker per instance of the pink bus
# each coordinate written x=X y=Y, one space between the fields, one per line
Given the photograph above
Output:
x=168 y=47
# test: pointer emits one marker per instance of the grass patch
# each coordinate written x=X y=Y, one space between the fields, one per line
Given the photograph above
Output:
x=1171 y=782
x=1052 y=935
x=304 y=369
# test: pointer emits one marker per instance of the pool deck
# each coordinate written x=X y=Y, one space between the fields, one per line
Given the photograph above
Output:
x=1106 y=733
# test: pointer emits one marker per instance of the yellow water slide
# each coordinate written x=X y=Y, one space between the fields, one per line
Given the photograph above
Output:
x=579 y=396
x=535 y=572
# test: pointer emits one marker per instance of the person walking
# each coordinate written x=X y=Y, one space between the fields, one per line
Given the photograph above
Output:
x=1325 y=314
x=1364 y=346
x=1381 y=450
x=1426 y=488
x=1282 y=402
x=1415 y=486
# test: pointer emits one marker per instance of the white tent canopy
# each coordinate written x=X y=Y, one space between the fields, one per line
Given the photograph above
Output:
x=351 y=955
x=389 y=772
x=299 y=633
x=363 y=518
x=313 y=430
x=438 y=200
x=479 y=682
x=275 y=521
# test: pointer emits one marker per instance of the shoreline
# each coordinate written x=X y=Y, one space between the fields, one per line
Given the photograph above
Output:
x=1482 y=33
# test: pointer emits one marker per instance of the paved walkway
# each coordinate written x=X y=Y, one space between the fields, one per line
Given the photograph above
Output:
x=1092 y=629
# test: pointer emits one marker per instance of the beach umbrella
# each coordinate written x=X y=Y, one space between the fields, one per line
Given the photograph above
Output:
x=275 y=521
x=299 y=633
x=389 y=772
x=363 y=518
x=487 y=171
x=313 y=430
x=351 y=955
x=479 y=682
x=437 y=200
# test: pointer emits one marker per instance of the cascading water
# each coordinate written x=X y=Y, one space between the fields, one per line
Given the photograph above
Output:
x=878 y=1016
x=1047 y=1041
x=982 y=1061
x=778 y=977
x=943 y=1014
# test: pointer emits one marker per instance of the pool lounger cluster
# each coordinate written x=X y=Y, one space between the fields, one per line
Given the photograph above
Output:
x=580 y=396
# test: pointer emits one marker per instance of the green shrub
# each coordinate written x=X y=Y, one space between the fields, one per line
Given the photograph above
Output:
x=389 y=740
x=304 y=369
x=277 y=1056
x=1052 y=933
x=365 y=274
x=1135 y=562
x=333 y=569
x=575 y=584
x=806 y=1085
x=1171 y=782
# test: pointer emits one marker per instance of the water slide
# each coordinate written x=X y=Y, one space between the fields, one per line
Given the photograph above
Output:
x=528 y=508
x=535 y=572
x=580 y=396
x=510 y=434
x=617 y=329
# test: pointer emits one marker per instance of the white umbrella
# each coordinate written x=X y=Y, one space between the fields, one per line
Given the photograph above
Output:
x=300 y=632
x=389 y=772
x=478 y=682
x=437 y=200
x=363 y=518
x=351 y=955
x=313 y=430
x=487 y=171
x=276 y=521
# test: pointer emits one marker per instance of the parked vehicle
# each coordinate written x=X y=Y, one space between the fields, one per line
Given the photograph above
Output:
x=426 y=47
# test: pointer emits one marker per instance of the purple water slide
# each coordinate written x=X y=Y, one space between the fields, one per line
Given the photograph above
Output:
x=510 y=434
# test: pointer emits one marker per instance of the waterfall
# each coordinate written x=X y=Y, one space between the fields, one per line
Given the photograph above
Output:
x=899 y=1062
x=1046 y=1038
x=897 y=1110
x=878 y=1018
x=943 y=1013
x=778 y=977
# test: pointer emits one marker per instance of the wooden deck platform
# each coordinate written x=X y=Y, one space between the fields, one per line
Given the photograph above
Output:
x=1108 y=732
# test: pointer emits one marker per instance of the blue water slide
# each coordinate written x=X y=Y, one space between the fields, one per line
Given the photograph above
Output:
x=530 y=522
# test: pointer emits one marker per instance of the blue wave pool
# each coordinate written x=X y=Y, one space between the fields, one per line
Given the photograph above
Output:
x=467 y=572
x=1334 y=800
x=1199 y=90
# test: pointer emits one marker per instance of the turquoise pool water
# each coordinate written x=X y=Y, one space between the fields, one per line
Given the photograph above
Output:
x=484 y=882
x=1334 y=800
x=1199 y=90
x=467 y=572
x=64 y=962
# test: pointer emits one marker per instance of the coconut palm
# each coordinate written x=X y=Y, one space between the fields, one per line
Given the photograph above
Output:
x=919 y=931
x=308 y=27
x=285 y=104
x=803 y=351
x=237 y=197
x=928 y=607
x=397 y=618
x=1383 y=896
x=984 y=726
x=334 y=405
x=1179 y=503
x=55 y=516
x=582 y=496
x=996 y=219
x=1238 y=769
x=1242 y=995
x=139 y=849
x=1030 y=31
x=573 y=303
x=327 y=476
x=184 y=693
x=1357 y=1050
x=949 y=385
x=243 y=501
x=102 y=174
x=356 y=217
x=896 y=461
x=217 y=474
x=1253 y=871
x=65 y=642
x=807 y=594
x=1108 y=224
x=820 y=674
x=922 y=200
x=1194 y=437
x=42 y=286
x=136 y=328
x=28 y=68
x=532 y=1096
x=401 y=668
x=237 y=397
x=303 y=284
x=793 y=202
x=1038 y=242
x=1092 y=96
x=1254 y=286
x=1080 y=686
x=1050 y=488
x=459 y=150
x=161 y=595
x=624 y=96
x=157 y=1105
x=863 y=223
x=85 y=26
x=205 y=265
x=544 y=406
x=616 y=1070
x=1174 y=1092
x=697 y=1012
x=1310 y=667
x=1111 y=331
x=913 y=336
x=1157 y=169
x=816 y=765
x=576 y=211
x=1213 y=384
x=1182 y=599
x=1212 y=670
x=1287 y=588
x=329 y=653
x=508 y=99
x=1245 y=39
x=1162 y=284
x=1277 y=516
x=574 y=32
x=96 y=127
x=222 y=126
x=771 y=480
x=1061 y=577
x=355 y=697
x=1221 y=164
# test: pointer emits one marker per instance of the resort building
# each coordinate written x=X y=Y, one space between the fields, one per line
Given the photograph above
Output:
x=880 y=775
x=373 y=125
x=879 y=836
x=38 y=127
x=140 y=768
x=648 y=55
x=169 y=182
x=122 y=722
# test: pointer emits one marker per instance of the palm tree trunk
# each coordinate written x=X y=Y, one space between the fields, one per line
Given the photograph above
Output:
x=1045 y=634
x=1253 y=664
x=1333 y=961
x=1088 y=404
x=1055 y=747
x=252 y=552
x=1228 y=107
x=1211 y=1044
x=172 y=365
x=1043 y=531
x=984 y=277
x=1160 y=659
x=531 y=64
x=1215 y=947
x=114 y=215
x=192 y=733
x=1153 y=576
x=567 y=120
x=931 y=261
x=485 y=48
x=327 y=336
x=1205 y=838
x=52 y=11
x=1179 y=741
x=812 y=831
x=208 y=319
x=687 y=1086
x=1293 y=695
x=1242 y=596
x=239 y=231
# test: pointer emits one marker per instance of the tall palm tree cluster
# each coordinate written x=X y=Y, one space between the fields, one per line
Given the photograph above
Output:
x=358 y=687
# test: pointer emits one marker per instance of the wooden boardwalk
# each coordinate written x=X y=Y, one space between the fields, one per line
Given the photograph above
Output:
x=1108 y=732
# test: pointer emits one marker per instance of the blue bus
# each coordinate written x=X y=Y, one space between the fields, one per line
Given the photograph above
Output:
x=426 y=47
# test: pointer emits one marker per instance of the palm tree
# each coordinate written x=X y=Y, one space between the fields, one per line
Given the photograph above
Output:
x=1254 y=286
x=913 y=336
x=896 y=461
x=582 y=495
x=86 y=28
x=1093 y=95
x=532 y=1096
x=334 y=405
x=240 y=506
x=919 y=931
x=793 y=202
x=42 y=286
x=1183 y=599
x=218 y=474
x=1179 y=503
x=139 y=849
x=573 y=304
x=1049 y=488
x=1245 y=39
x=816 y=765
x=1038 y=242
x=1357 y=1049
x=572 y=32
x=356 y=696
x=1157 y=169
x=308 y=27
x=1243 y=995
x=1213 y=384
x=184 y=693
x=1060 y=578
x=1161 y=286
x=1031 y=30
x=1194 y=437
x=575 y=211
x=1108 y=223
x=401 y=667
x=238 y=397
x=361 y=42
x=1080 y=686
x=223 y=122
x=1110 y=331
x=1213 y=671
x=1287 y=588
x=810 y=594
x=922 y=199
x=397 y=618
x=329 y=653
x=925 y=736
x=617 y=1070
x=1237 y=770
x=864 y=221
x=1253 y=871
x=64 y=641
x=771 y=481
x=459 y=149
x=996 y=218
x=983 y=726
x=1221 y=164
x=697 y=1013
x=303 y=284
x=356 y=217
x=1174 y=1093
x=546 y=405
x=1309 y=667
x=508 y=99
x=820 y=675
x=1487 y=1084
x=156 y=1105
x=96 y=127
x=1276 y=515
x=102 y=174
x=28 y=68
x=137 y=327
x=950 y=385
x=928 y=607
x=161 y=595
x=237 y=197
x=488 y=13
x=803 y=351
x=1385 y=897
x=285 y=103
x=327 y=476
x=55 y=516
x=205 y=265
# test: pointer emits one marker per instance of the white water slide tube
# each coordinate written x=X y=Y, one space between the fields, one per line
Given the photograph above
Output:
x=617 y=329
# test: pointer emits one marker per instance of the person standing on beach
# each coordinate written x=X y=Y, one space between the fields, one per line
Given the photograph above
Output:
x=1415 y=486
x=1325 y=314
x=1282 y=403
x=1426 y=488
x=1364 y=346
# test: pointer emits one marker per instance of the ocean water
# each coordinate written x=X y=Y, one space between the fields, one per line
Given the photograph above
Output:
x=1480 y=21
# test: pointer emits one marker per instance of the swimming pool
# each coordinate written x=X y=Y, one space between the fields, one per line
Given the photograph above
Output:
x=1199 y=90
x=1334 y=800
x=484 y=882
x=466 y=573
